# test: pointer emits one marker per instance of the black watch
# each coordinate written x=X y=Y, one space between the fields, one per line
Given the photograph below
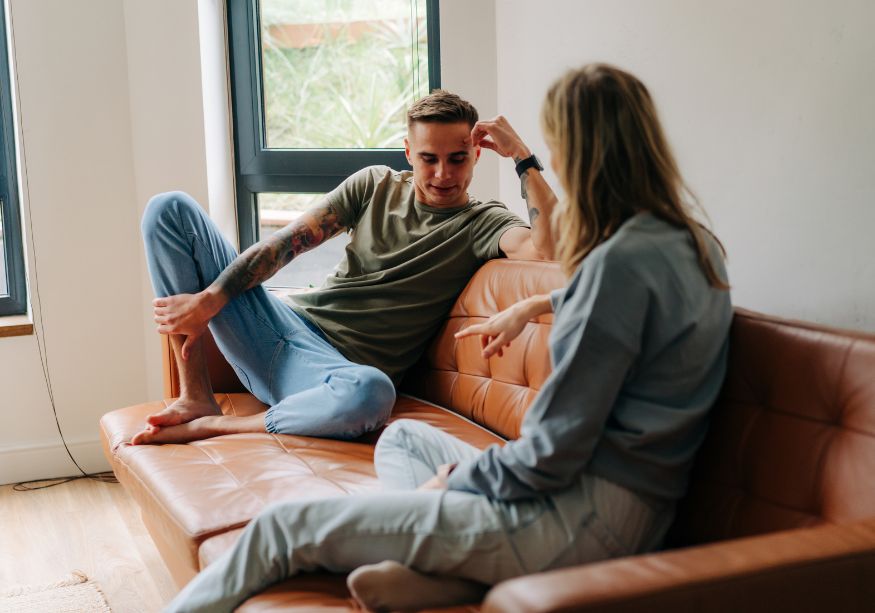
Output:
x=530 y=162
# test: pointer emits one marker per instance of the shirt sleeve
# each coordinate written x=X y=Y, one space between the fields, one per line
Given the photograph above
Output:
x=556 y=297
x=487 y=228
x=349 y=198
x=595 y=342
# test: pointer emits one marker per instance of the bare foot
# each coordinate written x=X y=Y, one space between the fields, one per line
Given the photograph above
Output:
x=390 y=586
x=194 y=430
x=183 y=410
x=200 y=428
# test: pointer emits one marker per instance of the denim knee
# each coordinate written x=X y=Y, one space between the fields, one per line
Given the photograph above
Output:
x=396 y=435
x=372 y=400
x=159 y=209
x=352 y=401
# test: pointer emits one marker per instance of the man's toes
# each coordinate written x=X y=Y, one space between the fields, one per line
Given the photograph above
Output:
x=167 y=417
x=142 y=438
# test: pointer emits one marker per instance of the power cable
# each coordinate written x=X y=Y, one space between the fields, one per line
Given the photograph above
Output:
x=23 y=486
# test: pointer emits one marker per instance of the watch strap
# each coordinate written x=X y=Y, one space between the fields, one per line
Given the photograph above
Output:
x=530 y=162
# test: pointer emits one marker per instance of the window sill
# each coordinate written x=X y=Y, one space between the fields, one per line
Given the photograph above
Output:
x=15 y=325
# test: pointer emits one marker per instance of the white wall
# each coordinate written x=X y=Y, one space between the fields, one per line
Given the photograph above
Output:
x=111 y=107
x=468 y=68
x=769 y=106
x=80 y=225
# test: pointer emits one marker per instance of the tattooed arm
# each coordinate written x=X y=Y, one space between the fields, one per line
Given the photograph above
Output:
x=263 y=259
x=498 y=135
x=189 y=314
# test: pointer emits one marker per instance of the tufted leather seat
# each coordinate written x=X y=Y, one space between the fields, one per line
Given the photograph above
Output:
x=792 y=445
x=196 y=497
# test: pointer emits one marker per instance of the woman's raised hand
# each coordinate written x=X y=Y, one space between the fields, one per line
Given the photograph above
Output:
x=498 y=331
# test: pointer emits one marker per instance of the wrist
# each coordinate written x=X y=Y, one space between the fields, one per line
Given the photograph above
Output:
x=212 y=300
x=539 y=305
x=521 y=153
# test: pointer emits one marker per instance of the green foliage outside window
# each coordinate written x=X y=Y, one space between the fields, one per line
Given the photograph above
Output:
x=341 y=73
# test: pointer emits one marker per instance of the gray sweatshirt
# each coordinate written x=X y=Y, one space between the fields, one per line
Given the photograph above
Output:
x=638 y=348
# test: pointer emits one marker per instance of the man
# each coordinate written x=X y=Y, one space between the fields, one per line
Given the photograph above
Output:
x=328 y=362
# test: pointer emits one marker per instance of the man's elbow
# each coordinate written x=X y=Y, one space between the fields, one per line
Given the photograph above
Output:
x=541 y=249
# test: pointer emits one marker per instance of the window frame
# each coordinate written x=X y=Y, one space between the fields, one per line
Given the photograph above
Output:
x=15 y=303
x=258 y=169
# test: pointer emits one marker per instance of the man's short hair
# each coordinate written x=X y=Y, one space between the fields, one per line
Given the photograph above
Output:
x=440 y=106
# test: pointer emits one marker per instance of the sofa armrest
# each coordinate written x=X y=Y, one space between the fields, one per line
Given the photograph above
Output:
x=825 y=568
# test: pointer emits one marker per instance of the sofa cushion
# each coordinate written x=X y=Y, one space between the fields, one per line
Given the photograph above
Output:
x=189 y=493
x=497 y=392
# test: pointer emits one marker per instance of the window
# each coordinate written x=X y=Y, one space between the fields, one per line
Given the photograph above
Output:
x=12 y=283
x=320 y=89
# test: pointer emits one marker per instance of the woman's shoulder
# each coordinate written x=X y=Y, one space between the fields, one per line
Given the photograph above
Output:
x=655 y=253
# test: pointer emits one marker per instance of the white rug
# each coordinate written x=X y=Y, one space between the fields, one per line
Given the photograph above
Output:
x=75 y=594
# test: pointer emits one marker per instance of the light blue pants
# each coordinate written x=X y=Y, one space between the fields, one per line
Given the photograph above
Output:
x=280 y=357
x=445 y=533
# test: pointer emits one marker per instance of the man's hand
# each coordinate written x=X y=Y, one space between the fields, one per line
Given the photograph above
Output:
x=439 y=481
x=498 y=135
x=186 y=314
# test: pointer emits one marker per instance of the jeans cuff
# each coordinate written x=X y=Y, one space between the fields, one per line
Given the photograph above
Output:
x=270 y=422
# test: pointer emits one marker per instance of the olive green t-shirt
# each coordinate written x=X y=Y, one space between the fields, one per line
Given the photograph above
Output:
x=405 y=264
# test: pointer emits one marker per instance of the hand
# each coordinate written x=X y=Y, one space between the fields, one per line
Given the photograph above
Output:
x=186 y=314
x=498 y=135
x=439 y=481
x=498 y=331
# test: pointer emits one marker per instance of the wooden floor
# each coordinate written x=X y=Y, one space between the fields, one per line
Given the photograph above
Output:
x=82 y=525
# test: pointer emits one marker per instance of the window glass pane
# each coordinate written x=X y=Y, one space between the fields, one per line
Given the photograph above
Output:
x=311 y=268
x=340 y=74
x=4 y=291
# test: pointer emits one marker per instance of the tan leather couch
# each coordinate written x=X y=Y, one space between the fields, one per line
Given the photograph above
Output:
x=781 y=513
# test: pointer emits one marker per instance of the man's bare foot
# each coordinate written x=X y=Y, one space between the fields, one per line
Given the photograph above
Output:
x=194 y=430
x=200 y=428
x=182 y=411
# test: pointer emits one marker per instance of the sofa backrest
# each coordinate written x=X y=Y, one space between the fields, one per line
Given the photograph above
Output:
x=792 y=437
x=494 y=393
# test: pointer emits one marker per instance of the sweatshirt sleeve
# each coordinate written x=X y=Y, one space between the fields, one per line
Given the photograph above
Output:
x=594 y=344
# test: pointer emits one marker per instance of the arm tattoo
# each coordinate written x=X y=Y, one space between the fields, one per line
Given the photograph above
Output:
x=533 y=215
x=258 y=263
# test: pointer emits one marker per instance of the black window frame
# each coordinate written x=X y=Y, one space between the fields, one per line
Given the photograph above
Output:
x=15 y=303
x=259 y=169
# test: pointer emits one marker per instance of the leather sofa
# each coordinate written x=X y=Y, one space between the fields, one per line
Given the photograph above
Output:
x=780 y=513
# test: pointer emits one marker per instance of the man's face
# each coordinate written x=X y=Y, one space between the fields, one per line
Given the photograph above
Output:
x=443 y=160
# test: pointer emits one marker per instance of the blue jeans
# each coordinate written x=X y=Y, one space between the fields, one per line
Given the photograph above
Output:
x=450 y=533
x=280 y=357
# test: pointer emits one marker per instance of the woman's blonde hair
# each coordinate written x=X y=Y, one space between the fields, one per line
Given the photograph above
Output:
x=613 y=161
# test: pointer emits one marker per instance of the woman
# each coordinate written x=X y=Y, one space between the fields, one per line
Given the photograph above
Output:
x=638 y=349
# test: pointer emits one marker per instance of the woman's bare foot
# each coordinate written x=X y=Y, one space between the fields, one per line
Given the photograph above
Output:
x=390 y=586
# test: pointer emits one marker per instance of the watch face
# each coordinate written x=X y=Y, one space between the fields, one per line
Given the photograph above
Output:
x=538 y=164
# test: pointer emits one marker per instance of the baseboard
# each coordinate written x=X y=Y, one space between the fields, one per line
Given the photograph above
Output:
x=30 y=462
